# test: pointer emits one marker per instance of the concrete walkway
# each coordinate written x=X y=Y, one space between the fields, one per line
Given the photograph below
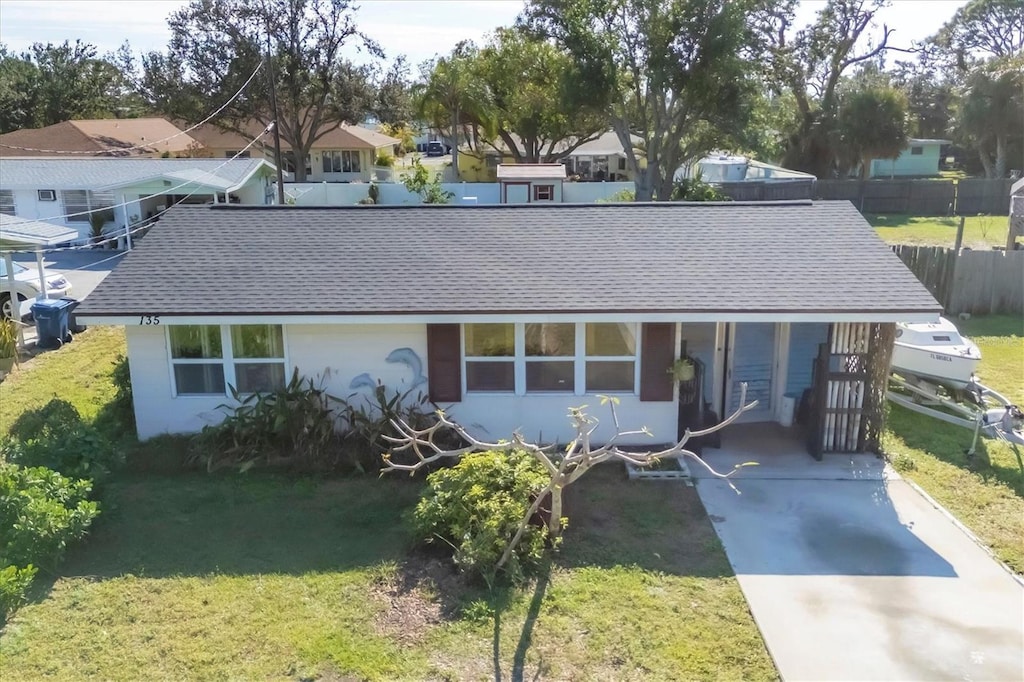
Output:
x=851 y=574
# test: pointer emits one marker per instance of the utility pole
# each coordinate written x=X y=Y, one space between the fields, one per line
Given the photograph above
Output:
x=277 y=126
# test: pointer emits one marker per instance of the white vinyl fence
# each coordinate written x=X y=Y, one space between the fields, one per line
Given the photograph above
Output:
x=466 y=193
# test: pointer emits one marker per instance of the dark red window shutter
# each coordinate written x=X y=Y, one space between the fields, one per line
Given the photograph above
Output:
x=444 y=362
x=657 y=353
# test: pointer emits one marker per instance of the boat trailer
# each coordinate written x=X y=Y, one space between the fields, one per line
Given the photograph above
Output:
x=981 y=409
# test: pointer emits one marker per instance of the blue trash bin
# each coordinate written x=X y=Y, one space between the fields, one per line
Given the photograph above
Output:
x=52 y=322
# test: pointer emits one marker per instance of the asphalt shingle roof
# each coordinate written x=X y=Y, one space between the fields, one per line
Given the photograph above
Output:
x=820 y=257
x=93 y=173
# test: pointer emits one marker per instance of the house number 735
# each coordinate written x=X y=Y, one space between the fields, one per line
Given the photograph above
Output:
x=149 y=319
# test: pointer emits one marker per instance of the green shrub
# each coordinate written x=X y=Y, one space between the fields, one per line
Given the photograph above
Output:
x=294 y=425
x=40 y=513
x=54 y=436
x=476 y=507
x=123 y=405
x=8 y=338
x=14 y=584
x=369 y=420
x=385 y=160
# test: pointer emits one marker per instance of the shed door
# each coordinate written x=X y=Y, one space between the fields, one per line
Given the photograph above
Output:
x=751 y=358
x=517 y=193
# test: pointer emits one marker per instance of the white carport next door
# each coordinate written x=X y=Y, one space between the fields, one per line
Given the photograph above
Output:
x=753 y=354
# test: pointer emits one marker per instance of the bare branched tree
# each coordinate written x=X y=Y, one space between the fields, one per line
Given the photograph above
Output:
x=564 y=466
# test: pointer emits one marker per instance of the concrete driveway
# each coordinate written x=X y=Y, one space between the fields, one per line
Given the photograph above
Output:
x=85 y=268
x=851 y=574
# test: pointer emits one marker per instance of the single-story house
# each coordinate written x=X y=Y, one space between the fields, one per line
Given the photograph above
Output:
x=506 y=315
x=345 y=153
x=68 y=191
x=600 y=159
x=526 y=183
x=921 y=157
x=121 y=137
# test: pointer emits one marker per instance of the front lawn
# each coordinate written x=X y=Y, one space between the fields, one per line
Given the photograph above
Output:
x=980 y=232
x=261 y=576
x=986 y=492
x=270 y=577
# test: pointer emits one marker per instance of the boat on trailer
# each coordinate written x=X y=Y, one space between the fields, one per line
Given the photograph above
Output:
x=933 y=373
x=935 y=353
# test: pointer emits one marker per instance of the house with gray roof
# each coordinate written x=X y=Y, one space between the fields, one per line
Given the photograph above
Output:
x=127 y=192
x=505 y=315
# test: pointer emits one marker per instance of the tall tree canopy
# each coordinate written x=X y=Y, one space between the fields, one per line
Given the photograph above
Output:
x=676 y=73
x=215 y=46
x=873 y=125
x=990 y=116
x=810 y=64
x=984 y=29
x=53 y=83
x=517 y=90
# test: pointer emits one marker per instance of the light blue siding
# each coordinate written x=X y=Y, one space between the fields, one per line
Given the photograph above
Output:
x=753 y=358
x=700 y=343
x=925 y=163
x=803 y=348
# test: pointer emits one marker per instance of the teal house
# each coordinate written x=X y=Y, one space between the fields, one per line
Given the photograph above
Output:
x=920 y=158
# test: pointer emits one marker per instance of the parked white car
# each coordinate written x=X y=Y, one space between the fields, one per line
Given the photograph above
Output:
x=26 y=285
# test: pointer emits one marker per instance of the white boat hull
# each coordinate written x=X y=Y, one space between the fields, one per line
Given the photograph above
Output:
x=942 y=368
x=935 y=352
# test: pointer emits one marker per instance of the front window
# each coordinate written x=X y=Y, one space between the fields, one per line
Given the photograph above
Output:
x=490 y=354
x=550 y=357
x=79 y=204
x=917 y=151
x=341 y=161
x=197 y=356
x=7 y=202
x=208 y=358
x=545 y=357
x=611 y=356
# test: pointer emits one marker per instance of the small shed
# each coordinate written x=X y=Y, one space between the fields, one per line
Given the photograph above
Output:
x=528 y=183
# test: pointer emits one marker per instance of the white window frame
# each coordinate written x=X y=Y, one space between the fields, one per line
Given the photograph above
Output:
x=226 y=361
x=81 y=212
x=580 y=360
x=8 y=205
x=342 y=160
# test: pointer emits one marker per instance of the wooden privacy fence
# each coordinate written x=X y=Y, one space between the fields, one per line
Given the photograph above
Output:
x=921 y=197
x=777 y=190
x=976 y=282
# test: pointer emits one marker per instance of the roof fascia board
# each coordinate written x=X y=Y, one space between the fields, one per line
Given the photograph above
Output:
x=248 y=176
x=145 y=319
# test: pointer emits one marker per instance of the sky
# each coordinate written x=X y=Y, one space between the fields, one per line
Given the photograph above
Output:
x=417 y=28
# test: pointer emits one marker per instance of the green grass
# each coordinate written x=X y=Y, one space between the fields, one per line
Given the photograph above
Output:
x=980 y=232
x=260 y=576
x=78 y=372
x=986 y=492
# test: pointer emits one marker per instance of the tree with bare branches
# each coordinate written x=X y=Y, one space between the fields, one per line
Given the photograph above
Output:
x=564 y=466
x=810 y=63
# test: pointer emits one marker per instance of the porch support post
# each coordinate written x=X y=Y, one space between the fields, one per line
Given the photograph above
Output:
x=42 y=281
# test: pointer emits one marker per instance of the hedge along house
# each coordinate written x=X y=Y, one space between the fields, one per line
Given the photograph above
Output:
x=506 y=315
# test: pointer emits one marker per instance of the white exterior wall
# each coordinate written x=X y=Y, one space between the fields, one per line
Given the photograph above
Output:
x=27 y=205
x=394 y=193
x=340 y=353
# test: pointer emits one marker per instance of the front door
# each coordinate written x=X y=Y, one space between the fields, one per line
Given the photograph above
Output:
x=751 y=357
x=517 y=192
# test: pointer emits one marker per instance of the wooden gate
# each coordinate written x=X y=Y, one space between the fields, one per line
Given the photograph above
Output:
x=850 y=375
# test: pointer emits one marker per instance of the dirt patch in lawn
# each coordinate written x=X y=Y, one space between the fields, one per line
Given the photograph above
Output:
x=420 y=593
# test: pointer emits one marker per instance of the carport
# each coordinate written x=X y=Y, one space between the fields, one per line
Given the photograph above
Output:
x=852 y=574
x=22 y=234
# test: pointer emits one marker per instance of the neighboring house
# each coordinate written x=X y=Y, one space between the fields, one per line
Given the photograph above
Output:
x=132 y=137
x=507 y=316
x=527 y=183
x=67 y=190
x=343 y=154
x=601 y=159
x=920 y=158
